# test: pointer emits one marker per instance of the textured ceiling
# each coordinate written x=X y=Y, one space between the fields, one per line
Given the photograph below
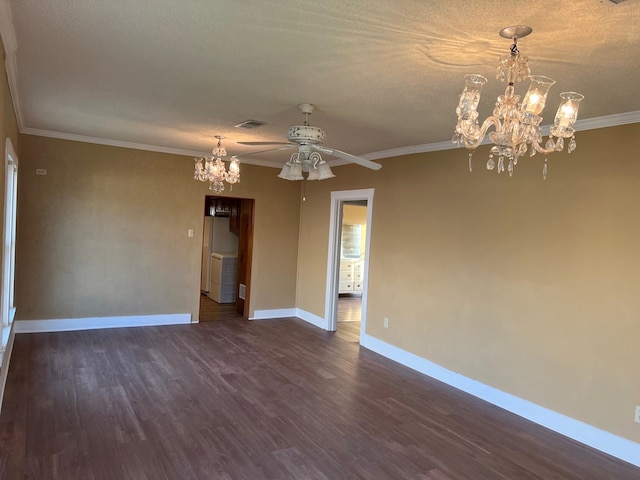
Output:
x=384 y=74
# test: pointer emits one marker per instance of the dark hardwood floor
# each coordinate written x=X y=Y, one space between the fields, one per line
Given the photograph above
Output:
x=273 y=399
x=211 y=311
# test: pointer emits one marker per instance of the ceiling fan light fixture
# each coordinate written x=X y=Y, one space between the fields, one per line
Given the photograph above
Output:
x=314 y=174
x=322 y=171
x=307 y=159
x=295 y=173
x=292 y=170
x=284 y=173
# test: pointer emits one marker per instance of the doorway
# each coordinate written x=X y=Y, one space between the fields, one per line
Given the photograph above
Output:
x=227 y=246
x=348 y=262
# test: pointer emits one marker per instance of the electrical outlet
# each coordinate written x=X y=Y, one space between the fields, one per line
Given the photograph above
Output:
x=190 y=233
x=386 y=322
x=637 y=417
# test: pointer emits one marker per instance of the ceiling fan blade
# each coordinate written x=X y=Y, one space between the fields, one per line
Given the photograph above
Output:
x=284 y=147
x=347 y=156
x=263 y=143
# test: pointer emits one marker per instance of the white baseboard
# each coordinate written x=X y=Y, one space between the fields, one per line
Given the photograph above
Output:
x=275 y=313
x=291 y=312
x=65 y=325
x=6 y=358
x=312 y=319
x=594 y=437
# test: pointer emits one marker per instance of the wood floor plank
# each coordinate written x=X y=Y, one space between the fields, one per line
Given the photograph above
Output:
x=276 y=400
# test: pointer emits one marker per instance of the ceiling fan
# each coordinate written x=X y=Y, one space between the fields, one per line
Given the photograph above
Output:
x=308 y=141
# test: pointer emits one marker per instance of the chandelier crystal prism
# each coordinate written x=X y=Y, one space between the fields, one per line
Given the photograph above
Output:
x=214 y=170
x=516 y=124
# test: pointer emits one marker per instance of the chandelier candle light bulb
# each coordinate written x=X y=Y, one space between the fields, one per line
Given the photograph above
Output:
x=535 y=99
x=516 y=124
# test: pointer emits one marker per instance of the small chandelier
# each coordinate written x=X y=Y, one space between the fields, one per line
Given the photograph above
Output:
x=214 y=169
x=304 y=160
x=517 y=124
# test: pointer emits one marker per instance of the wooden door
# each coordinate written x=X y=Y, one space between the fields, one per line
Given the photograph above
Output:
x=245 y=248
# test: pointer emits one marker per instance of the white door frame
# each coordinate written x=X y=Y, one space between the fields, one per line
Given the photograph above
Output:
x=7 y=307
x=333 y=260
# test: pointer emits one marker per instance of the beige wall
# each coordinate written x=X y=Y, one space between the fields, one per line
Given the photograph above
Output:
x=526 y=285
x=104 y=233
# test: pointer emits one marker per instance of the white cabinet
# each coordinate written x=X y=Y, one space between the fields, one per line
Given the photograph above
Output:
x=358 y=275
x=224 y=272
x=351 y=275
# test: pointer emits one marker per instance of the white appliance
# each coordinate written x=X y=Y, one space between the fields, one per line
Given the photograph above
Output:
x=224 y=272
x=217 y=237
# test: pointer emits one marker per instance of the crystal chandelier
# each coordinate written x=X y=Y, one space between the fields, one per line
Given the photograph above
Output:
x=517 y=124
x=304 y=160
x=214 y=170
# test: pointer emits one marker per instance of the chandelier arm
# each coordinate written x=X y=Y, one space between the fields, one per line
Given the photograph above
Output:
x=468 y=136
x=520 y=134
x=540 y=149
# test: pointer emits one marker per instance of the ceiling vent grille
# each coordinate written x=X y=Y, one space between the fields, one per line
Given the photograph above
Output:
x=248 y=124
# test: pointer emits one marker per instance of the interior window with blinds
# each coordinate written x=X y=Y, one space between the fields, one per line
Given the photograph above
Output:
x=351 y=241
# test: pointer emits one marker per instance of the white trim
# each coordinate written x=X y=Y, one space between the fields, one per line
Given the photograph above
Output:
x=333 y=256
x=7 y=271
x=587 y=434
x=6 y=359
x=290 y=313
x=313 y=319
x=581 y=125
x=607 y=121
x=70 y=324
x=275 y=313
x=136 y=146
x=308 y=317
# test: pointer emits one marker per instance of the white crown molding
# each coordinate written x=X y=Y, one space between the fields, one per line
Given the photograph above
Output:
x=581 y=125
x=608 y=121
x=135 y=146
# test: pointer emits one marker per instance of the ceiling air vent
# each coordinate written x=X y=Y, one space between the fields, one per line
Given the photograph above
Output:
x=250 y=124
